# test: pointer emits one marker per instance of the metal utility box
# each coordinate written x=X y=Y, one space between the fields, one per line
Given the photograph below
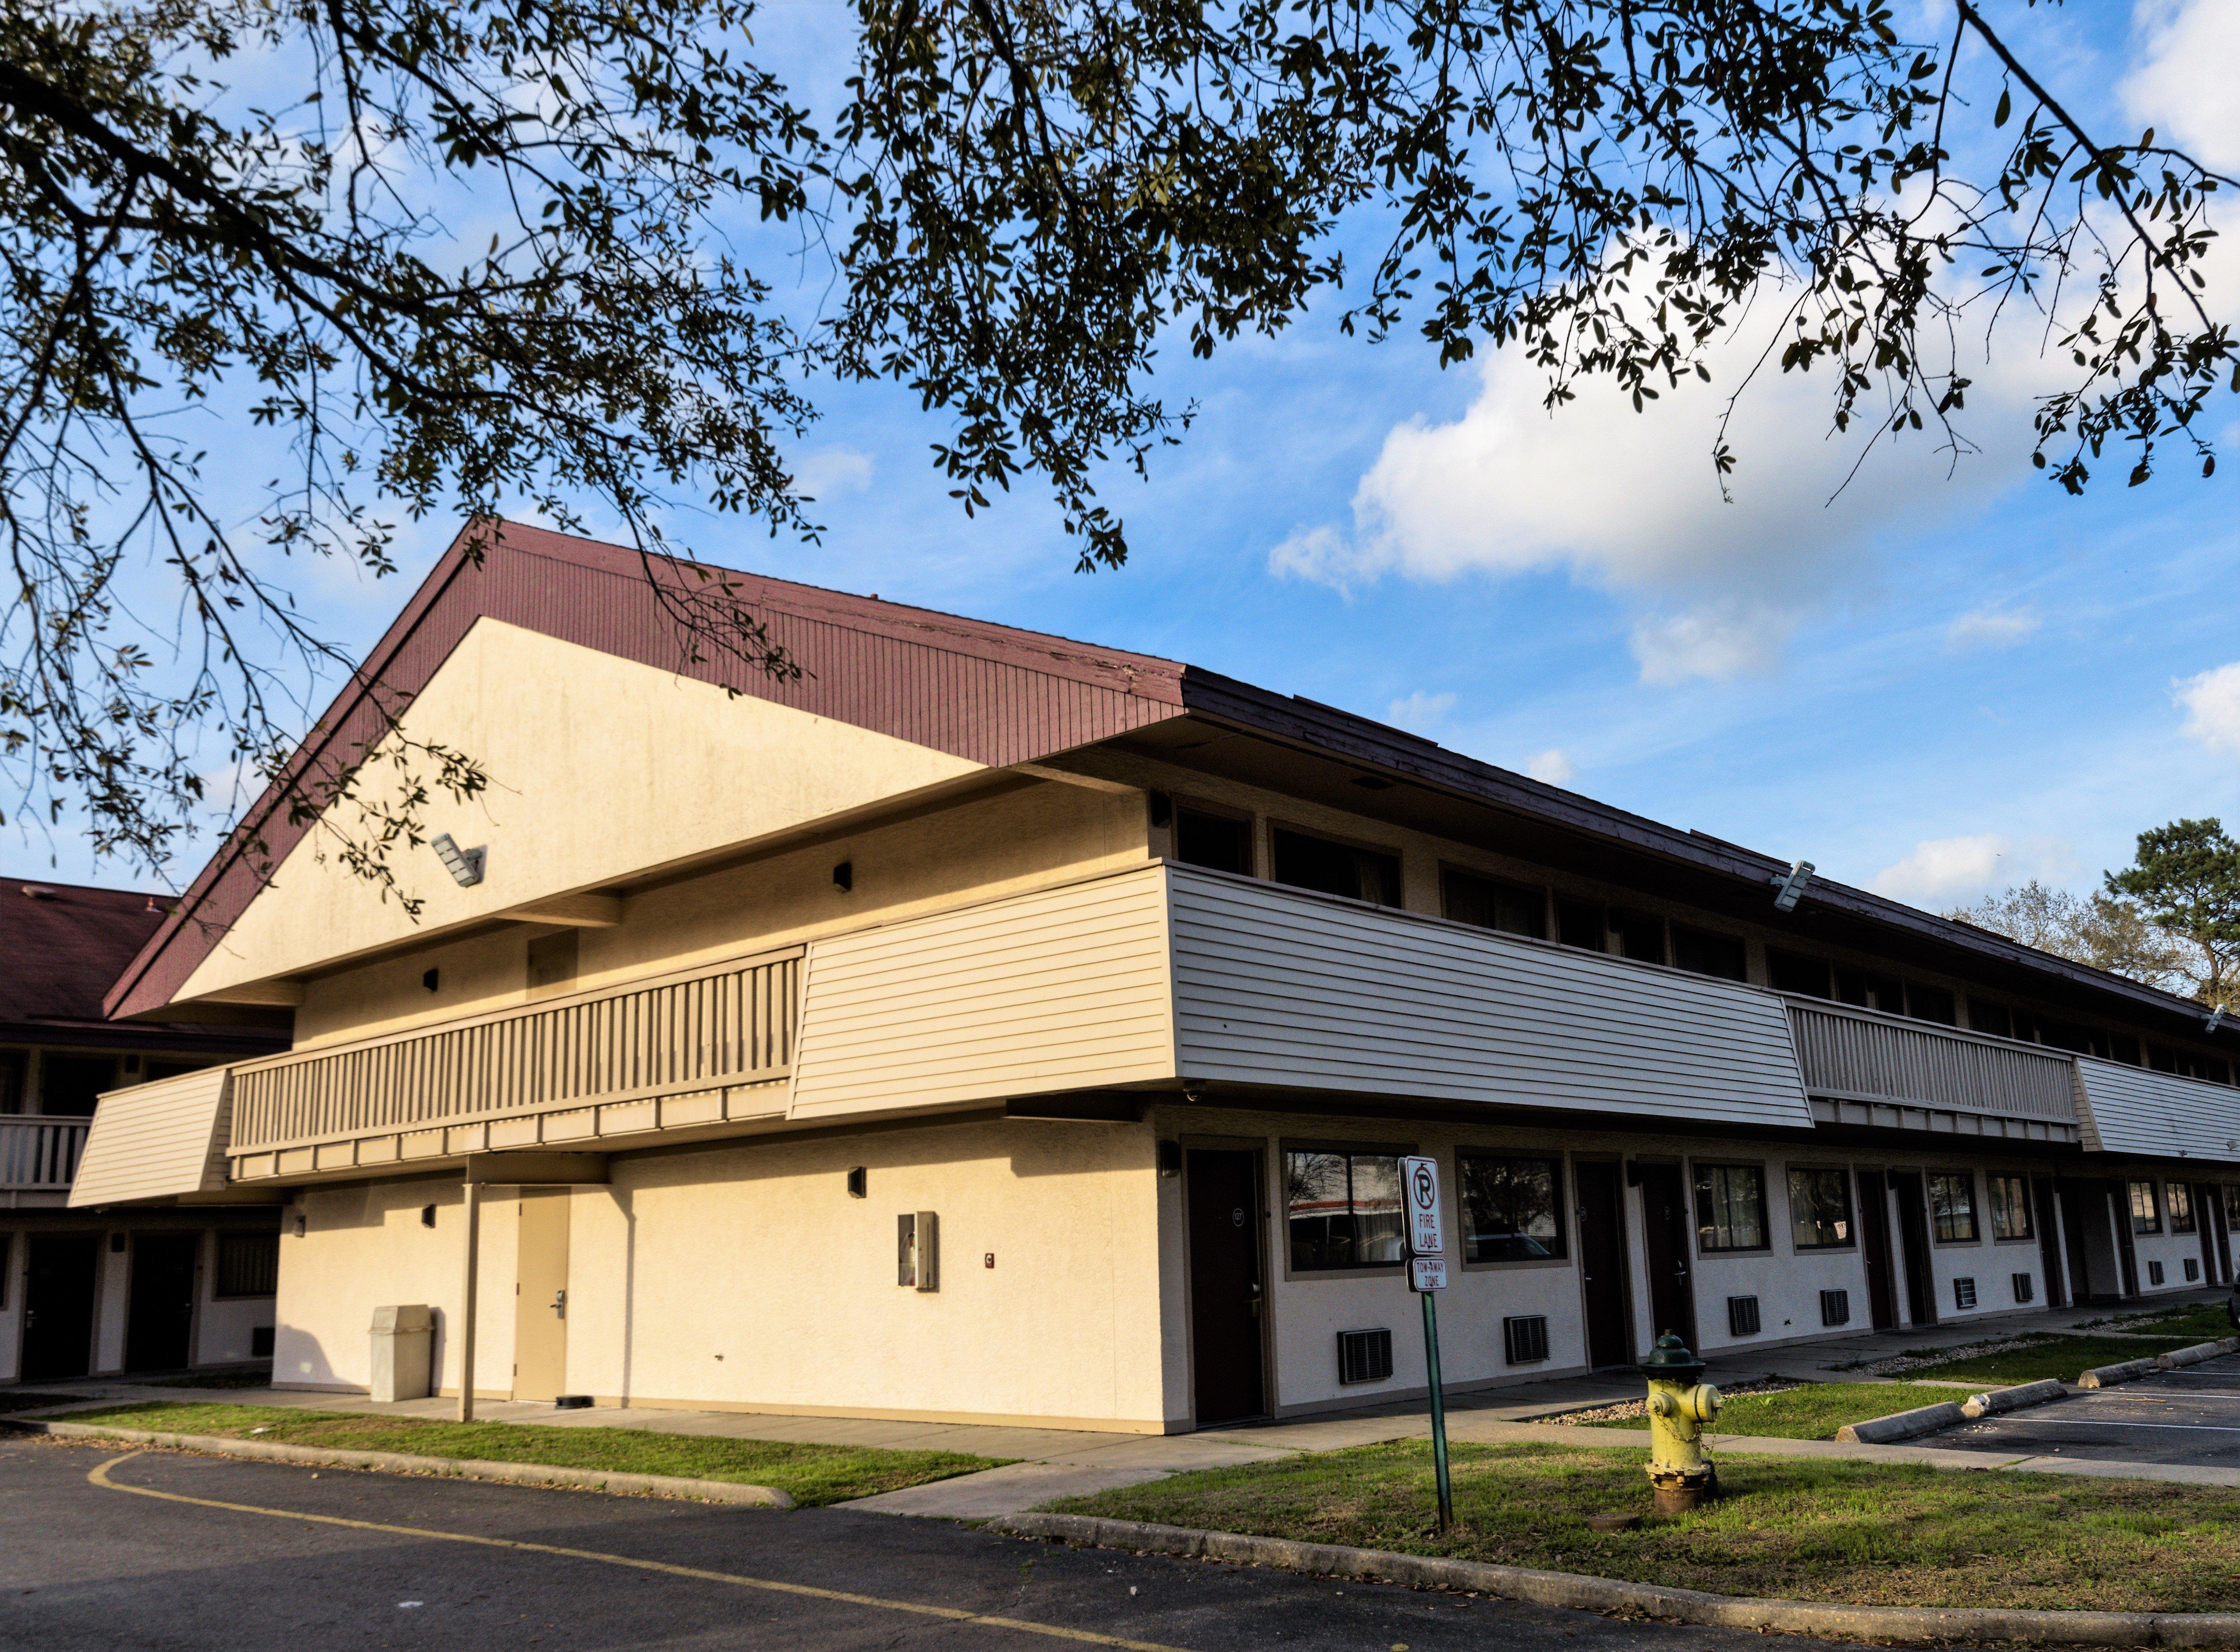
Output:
x=403 y=1341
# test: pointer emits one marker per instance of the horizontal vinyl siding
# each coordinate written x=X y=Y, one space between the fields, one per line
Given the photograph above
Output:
x=156 y=1141
x=1278 y=988
x=1066 y=989
x=2134 y=1110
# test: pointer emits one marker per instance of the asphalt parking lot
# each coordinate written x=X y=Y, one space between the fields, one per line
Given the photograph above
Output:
x=2188 y=1416
x=248 y=1556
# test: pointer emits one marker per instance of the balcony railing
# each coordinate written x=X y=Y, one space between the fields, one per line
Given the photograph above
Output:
x=1880 y=1065
x=40 y=1155
x=733 y=1023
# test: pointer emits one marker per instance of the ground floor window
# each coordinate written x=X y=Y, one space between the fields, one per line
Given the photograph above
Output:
x=2181 y=1206
x=2233 y=1205
x=2146 y=1215
x=1343 y=1208
x=248 y=1264
x=1952 y=1205
x=2010 y=1207
x=1512 y=1208
x=1819 y=1210
x=1730 y=1207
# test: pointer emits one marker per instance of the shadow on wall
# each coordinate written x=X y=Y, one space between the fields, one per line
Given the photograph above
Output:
x=299 y=1361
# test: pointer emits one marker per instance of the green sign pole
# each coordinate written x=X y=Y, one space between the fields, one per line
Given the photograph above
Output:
x=1439 y=1408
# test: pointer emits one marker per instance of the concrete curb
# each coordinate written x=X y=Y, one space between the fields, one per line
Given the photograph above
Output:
x=1903 y=1425
x=521 y=1474
x=1907 y=1625
x=2198 y=1352
x=2106 y=1377
x=1997 y=1402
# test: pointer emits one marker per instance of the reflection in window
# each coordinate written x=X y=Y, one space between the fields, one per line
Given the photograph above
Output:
x=1512 y=1209
x=1819 y=1210
x=1343 y=1209
x=2146 y=1215
x=2010 y=1207
x=1730 y=1207
x=1952 y=1204
x=2181 y=1208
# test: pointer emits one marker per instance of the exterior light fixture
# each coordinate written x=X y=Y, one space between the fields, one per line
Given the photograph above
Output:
x=1790 y=889
x=465 y=865
x=2215 y=1019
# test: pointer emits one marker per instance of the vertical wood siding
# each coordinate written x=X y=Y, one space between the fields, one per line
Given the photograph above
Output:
x=1277 y=986
x=156 y=1141
x=2135 y=1109
x=39 y=1154
x=1063 y=990
x=733 y=1024
x=1858 y=1056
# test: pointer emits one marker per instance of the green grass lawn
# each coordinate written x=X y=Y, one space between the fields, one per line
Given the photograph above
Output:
x=2066 y=1357
x=809 y=1474
x=2198 y=1321
x=1813 y=1411
x=1795 y=1528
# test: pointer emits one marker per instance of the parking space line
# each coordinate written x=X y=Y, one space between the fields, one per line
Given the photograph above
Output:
x=2094 y=1423
x=100 y=1476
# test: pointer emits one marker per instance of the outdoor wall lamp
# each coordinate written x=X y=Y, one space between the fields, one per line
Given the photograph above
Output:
x=1792 y=889
x=465 y=865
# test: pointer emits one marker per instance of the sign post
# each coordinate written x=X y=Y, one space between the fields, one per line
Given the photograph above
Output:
x=1427 y=1276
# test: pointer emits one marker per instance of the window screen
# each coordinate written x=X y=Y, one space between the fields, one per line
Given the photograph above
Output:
x=1730 y=1207
x=2181 y=1206
x=1512 y=1208
x=1343 y=1209
x=1219 y=843
x=1820 y=1209
x=2010 y=1207
x=1335 y=869
x=1708 y=954
x=1512 y=908
x=1952 y=1204
x=248 y=1264
x=2146 y=1215
x=1794 y=972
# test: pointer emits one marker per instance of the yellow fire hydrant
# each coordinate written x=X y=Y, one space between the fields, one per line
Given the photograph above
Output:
x=1679 y=1409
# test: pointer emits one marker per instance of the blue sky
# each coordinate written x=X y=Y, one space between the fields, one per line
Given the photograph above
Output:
x=1934 y=685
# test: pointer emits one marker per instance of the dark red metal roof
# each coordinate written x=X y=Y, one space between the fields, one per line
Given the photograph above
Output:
x=987 y=693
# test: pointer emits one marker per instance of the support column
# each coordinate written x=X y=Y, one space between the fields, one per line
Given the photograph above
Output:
x=473 y=1191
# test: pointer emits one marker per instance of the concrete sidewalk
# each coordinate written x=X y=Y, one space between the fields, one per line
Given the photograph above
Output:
x=1061 y=1462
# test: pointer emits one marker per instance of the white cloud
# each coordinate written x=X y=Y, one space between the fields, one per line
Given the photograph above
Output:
x=826 y=471
x=2212 y=705
x=1629 y=502
x=1941 y=870
x=1419 y=711
x=2185 y=83
x=1989 y=627
x=1552 y=767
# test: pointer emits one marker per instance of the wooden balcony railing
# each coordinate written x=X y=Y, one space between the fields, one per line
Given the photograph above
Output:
x=1858 y=1056
x=732 y=1023
x=40 y=1155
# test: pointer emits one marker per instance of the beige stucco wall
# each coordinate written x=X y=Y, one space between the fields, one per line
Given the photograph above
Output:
x=598 y=768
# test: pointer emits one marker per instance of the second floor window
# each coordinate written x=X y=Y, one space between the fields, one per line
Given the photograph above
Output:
x=1707 y=953
x=1952 y=1205
x=1730 y=1207
x=1491 y=904
x=1220 y=842
x=1820 y=1209
x=2010 y=1207
x=1335 y=869
x=2181 y=1206
x=1512 y=1208
x=1343 y=1209
x=2146 y=1215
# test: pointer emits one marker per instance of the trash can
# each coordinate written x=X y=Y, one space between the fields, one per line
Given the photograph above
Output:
x=403 y=1338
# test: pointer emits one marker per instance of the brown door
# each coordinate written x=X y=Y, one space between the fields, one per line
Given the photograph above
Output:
x=1913 y=1232
x=2077 y=1209
x=2127 y=1252
x=2223 y=1229
x=2049 y=1241
x=1602 y=1265
x=1226 y=1296
x=1875 y=1250
x=2204 y=1201
x=59 y=1278
x=1664 y=1251
x=160 y=1316
x=540 y=1307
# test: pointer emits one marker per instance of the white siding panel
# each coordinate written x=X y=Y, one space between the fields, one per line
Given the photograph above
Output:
x=1066 y=989
x=2135 y=1109
x=1277 y=986
x=156 y=1141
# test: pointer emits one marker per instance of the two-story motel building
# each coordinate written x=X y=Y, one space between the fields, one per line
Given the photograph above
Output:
x=991 y=1026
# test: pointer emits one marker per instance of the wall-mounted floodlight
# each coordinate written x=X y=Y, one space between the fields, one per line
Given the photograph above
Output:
x=1790 y=889
x=2215 y=1019
x=465 y=865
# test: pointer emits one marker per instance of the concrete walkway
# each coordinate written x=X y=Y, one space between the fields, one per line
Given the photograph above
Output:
x=1063 y=1462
